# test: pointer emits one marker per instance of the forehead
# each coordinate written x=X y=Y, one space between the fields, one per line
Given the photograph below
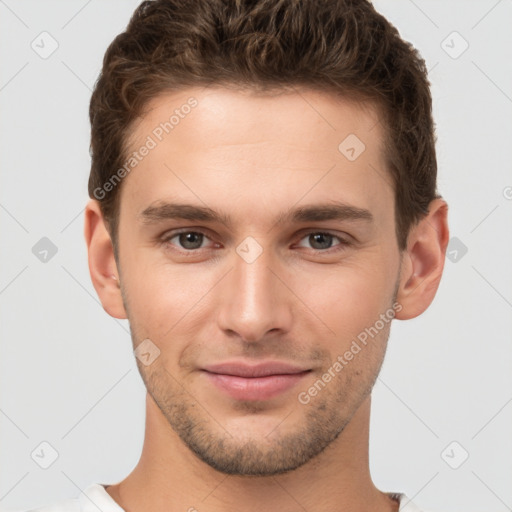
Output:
x=207 y=144
x=247 y=116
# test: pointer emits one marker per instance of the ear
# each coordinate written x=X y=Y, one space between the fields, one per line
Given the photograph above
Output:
x=102 y=264
x=423 y=261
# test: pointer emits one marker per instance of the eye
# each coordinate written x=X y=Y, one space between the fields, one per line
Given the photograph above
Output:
x=188 y=240
x=322 y=241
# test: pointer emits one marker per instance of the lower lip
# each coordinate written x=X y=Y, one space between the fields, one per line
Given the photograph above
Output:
x=255 y=388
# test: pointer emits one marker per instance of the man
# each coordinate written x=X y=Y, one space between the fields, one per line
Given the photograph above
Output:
x=263 y=205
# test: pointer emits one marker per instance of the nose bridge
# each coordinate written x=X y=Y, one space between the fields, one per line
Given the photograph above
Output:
x=254 y=299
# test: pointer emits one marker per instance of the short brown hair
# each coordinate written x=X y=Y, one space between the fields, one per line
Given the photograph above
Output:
x=339 y=46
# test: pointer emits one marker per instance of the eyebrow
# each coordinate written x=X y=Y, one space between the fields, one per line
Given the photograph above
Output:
x=311 y=213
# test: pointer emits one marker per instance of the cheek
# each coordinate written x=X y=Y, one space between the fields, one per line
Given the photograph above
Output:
x=348 y=299
x=163 y=298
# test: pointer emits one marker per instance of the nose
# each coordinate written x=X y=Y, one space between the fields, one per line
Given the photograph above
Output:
x=255 y=299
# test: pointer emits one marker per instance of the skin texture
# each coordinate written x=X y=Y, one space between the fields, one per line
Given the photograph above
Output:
x=303 y=300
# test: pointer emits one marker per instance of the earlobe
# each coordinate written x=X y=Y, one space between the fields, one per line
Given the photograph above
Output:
x=423 y=262
x=102 y=264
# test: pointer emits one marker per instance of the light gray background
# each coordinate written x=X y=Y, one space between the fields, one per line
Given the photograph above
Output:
x=68 y=376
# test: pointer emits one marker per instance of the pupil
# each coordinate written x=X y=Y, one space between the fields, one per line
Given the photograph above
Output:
x=187 y=239
x=322 y=236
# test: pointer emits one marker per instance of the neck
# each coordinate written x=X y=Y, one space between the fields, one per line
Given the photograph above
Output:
x=170 y=477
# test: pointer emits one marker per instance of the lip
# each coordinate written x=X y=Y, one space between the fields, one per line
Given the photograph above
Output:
x=241 y=369
x=242 y=381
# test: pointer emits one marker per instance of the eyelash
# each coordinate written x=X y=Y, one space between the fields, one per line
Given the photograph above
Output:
x=339 y=247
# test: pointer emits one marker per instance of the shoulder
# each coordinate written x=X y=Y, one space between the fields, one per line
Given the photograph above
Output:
x=92 y=499
x=70 y=505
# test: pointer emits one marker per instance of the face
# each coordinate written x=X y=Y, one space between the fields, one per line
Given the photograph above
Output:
x=248 y=235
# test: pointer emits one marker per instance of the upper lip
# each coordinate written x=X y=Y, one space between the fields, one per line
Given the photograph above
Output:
x=264 y=369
